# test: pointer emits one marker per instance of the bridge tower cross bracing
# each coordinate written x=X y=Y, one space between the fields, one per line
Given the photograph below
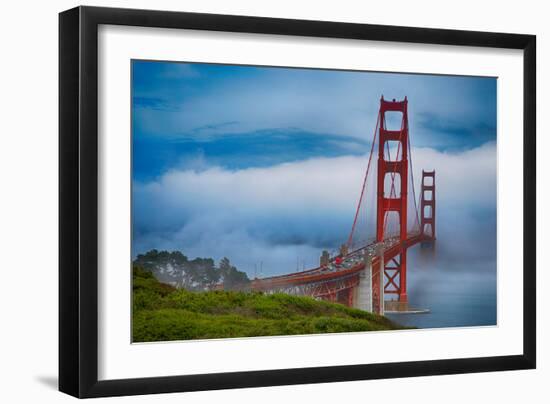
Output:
x=395 y=271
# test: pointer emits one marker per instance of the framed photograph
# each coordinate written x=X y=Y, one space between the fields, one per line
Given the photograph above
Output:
x=251 y=201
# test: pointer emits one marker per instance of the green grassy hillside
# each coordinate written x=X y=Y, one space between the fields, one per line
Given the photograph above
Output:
x=163 y=313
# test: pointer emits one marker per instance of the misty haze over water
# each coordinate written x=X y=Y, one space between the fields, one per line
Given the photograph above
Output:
x=457 y=295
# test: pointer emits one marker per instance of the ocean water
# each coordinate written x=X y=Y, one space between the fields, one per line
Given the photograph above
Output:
x=456 y=296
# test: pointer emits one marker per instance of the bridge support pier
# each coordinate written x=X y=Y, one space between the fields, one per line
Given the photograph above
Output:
x=362 y=293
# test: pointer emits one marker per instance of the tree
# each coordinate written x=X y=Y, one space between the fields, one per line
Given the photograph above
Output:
x=231 y=276
x=175 y=268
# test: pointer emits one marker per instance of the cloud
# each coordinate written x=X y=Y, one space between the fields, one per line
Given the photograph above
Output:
x=282 y=214
x=154 y=156
x=215 y=126
x=450 y=133
x=153 y=103
x=317 y=101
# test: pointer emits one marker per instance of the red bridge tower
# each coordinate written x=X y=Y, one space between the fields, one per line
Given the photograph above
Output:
x=396 y=269
x=427 y=207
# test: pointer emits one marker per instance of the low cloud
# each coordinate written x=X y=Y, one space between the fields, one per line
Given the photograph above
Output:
x=281 y=217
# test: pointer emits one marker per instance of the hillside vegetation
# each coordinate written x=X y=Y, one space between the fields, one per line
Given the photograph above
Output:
x=198 y=274
x=164 y=313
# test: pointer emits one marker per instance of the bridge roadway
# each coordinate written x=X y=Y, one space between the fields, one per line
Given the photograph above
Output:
x=347 y=270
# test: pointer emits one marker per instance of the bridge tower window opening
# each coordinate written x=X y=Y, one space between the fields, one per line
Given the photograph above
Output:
x=392 y=185
x=392 y=224
x=427 y=230
x=393 y=120
x=393 y=150
x=427 y=211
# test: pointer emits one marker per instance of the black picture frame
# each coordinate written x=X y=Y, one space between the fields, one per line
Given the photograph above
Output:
x=78 y=201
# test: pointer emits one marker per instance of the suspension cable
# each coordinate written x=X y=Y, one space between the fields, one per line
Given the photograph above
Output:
x=350 y=238
x=412 y=179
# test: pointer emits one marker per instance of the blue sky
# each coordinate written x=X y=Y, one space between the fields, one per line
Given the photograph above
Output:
x=264 y=164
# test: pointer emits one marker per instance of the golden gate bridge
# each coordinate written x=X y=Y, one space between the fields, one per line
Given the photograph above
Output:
x=361 y=276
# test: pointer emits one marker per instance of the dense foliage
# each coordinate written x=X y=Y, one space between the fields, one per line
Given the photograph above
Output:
x=164 y=313
x=176 y=269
